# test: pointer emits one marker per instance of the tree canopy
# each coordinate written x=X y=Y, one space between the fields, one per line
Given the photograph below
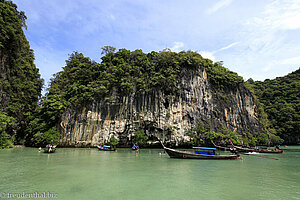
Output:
x=83 y=80
x=20 y=82
x=281 y=101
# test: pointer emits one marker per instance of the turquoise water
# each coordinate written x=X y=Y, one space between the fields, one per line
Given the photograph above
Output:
x=91 y=174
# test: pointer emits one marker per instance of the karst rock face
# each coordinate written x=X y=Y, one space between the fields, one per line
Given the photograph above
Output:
x=162 y=116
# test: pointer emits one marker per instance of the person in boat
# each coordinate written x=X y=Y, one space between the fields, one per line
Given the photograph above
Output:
x=50 y=146
x=135 y=147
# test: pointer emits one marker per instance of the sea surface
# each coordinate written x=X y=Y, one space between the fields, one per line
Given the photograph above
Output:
x=91 y=174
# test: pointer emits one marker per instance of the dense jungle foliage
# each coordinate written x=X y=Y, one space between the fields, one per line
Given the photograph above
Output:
x=281 y=101
x=20 y=82
x=202 y=134
x=125 y=72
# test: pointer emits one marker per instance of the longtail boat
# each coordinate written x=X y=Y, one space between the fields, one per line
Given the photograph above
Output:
x=223 y=148
x=242 y=149
x=200 y=154
x=105 y=148
x=238 y=149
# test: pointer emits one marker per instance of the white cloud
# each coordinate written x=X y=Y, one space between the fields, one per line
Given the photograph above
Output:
x=281 y=15
x=220 y=4
x=266 y=31
x=268 y=44
x=227 y=47
x=207 y=54
x=291 y=61
x=177 y=46
x=267 y=68
x=210 y=54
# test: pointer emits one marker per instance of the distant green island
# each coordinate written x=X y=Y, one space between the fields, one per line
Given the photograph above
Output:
x=136 y=97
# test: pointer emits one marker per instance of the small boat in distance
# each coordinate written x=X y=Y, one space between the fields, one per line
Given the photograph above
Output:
x=105 y=148
x=49 y=148
x=135 y=147
x=200 y=153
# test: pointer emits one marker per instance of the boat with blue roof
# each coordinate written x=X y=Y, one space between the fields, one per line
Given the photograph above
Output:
x=205 y=150
x=200 y=153
x=105 y=148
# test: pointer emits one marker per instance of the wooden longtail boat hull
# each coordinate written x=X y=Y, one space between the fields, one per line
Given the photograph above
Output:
x=268 y=151
x=105 y=149
x=188 y=155
x=222 y=148
x=240 y=149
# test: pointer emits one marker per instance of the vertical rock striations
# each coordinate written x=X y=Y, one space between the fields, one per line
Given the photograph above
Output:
x=163 y=116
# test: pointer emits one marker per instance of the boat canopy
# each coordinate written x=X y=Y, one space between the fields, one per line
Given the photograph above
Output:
x=204 y=148
x=106 y=146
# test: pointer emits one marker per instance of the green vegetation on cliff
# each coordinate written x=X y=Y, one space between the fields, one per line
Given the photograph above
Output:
x=140 y=137
x=20 y=82
x=125 y=72
x=281 y=101
x=203 y=134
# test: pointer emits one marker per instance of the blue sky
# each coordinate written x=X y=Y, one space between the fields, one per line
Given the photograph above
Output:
x=257 y=39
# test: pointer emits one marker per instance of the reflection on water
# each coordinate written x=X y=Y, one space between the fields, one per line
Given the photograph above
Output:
x=148 y=174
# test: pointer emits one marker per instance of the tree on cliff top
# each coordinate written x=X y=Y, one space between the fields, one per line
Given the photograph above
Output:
x=125 y=72
x=107 y=49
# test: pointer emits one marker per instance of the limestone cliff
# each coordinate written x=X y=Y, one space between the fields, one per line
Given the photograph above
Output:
x=167 y=117
x=20 y=82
